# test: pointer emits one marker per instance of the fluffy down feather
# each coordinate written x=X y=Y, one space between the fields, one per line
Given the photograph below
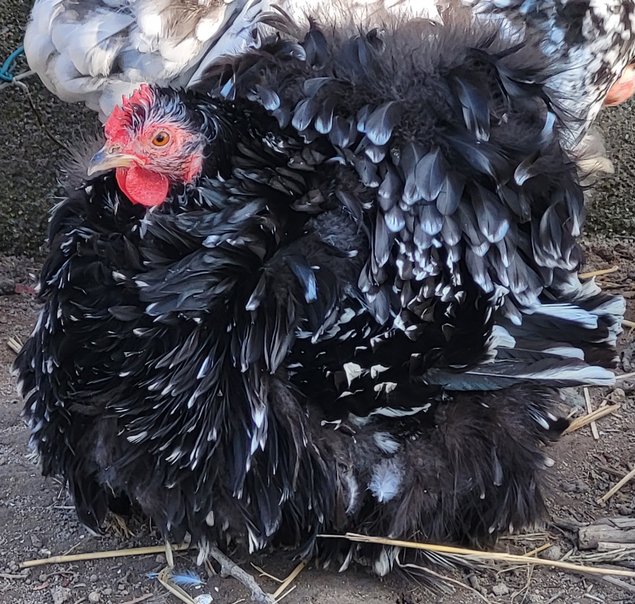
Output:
x=320 y=333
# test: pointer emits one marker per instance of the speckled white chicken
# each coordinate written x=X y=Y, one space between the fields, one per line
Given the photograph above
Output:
x=97 y=51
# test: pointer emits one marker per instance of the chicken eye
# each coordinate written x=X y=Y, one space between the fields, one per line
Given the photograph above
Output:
x=161 y=139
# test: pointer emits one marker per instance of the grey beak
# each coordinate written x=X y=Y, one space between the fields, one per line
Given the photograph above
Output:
x=106 y=159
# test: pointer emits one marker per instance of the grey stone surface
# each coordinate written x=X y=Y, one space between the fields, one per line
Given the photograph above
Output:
x=29 y=160
x=612 y=212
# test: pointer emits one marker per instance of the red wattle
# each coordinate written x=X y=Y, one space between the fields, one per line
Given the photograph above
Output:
x=142 y=186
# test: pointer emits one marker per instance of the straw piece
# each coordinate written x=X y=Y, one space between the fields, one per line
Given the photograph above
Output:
x=589 y=410
x=15 y=345
x=618 y=486
x=292 y=575
x=580 y=422
x=600 y=272
x=459 y=551
x=119 y=553
x=539 y=536
x=625 y=376
x=169 y=556
x=536 y=551
x=286 y=593
x=264 y=573
x=175 y=590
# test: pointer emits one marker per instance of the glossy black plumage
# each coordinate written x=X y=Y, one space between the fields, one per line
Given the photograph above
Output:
x=322 y=333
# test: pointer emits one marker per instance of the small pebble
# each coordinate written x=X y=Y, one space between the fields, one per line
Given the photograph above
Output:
x=474 y=582
x=36 y=541
x=624 y=509
x=618 y=396
x=107 y=591
x=500 y=589
x=93 y=578
x=7 y=287
x=574 y=486
x=160 y=559
x=94 y=596
x=553 y=553
x=203 y=599
x=60 y=594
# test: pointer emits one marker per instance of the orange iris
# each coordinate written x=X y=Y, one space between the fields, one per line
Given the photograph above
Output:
x=161 y=139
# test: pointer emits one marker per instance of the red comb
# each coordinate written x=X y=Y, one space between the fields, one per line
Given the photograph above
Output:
x=120 y=120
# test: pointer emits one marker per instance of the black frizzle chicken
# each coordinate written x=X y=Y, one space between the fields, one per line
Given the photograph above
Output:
x=337 y=293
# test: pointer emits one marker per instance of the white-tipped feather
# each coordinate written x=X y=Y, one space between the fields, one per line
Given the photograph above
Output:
x=566 y=351
x=567 y=312
x=501 y=338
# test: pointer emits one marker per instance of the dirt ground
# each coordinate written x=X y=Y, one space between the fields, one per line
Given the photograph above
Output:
x=38 y=521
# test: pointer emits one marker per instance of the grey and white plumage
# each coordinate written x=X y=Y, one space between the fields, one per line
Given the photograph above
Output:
x=98 y=51
x=95 y=51
x=354 y=319
x=593 y=40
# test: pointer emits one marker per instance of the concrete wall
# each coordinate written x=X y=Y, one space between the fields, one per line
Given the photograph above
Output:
x=29 y=159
